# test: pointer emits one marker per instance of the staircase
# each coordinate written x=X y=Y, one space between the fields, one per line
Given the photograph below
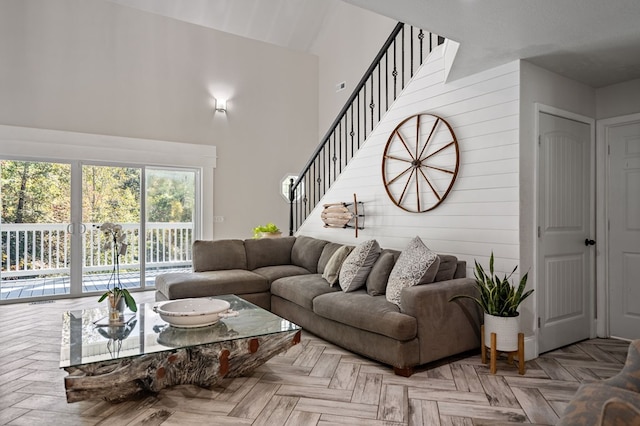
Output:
x=393 y=67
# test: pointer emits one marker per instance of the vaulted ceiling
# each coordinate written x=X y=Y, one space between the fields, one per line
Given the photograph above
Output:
x=592 y=41
x=287 y=23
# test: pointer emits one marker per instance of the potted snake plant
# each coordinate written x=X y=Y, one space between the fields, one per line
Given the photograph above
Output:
x=499 y=300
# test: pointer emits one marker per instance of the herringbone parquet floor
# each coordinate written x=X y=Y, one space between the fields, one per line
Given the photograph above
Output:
x=314 y=383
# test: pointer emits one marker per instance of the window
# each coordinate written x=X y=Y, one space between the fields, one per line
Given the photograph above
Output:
x=286 y=184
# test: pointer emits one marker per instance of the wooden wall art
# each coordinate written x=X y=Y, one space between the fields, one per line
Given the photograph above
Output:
x=344 y=215
x=420 y=163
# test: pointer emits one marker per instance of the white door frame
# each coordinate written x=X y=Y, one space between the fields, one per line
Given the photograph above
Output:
x=542 y=108
x=602 y=214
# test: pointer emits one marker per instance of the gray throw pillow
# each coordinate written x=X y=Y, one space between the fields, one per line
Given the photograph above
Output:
x=447 y=268
x=332 y=269
x=379 y=276
x=416 y=265
x=356 y=267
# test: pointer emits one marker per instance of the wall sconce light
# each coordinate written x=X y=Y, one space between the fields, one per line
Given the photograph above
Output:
x=344 y=215
x=221 y=105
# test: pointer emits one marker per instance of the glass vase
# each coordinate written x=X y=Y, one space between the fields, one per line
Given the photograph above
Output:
x=116 y=308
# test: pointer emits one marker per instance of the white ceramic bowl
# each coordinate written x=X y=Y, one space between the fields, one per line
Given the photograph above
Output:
x=188 y=313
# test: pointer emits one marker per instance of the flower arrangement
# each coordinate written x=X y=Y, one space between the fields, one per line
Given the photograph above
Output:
x=116 y=241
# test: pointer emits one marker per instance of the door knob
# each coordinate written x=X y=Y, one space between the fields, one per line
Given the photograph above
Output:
x=589 y=242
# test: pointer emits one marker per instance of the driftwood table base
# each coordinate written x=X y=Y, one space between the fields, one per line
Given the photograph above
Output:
x=205 y=365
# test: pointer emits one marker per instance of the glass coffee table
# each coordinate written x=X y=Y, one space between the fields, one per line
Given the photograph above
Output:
x=146 y=354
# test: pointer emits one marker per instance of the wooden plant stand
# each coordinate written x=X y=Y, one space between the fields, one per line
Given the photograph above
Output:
x=494 y=352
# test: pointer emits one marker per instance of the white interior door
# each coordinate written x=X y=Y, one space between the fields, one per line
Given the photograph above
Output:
x=564 y=272
x=624 y=230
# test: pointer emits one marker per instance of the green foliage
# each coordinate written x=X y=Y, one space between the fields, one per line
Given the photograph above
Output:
x=269 y=228
x=124 y=293
x=497 y=296
x=110 y=194
x=40 y=192
x=170 y=196
x=35 y=192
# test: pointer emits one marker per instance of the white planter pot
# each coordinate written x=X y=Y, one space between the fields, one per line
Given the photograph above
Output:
x=506 y=329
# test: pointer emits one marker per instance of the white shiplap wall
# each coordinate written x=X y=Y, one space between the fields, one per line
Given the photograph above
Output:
x=481 y=212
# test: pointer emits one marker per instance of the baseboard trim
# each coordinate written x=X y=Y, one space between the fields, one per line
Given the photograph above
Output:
x=530 y=348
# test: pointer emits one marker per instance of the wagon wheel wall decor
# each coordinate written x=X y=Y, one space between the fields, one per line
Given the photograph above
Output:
x=420 y=163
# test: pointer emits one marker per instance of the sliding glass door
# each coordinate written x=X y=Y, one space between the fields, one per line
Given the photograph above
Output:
x=110 y=194
x=51 y=218
x=35 y=228
x=171 y=196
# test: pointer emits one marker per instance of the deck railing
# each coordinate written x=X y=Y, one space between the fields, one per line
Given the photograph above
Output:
x=45 y=249
x=393 y=67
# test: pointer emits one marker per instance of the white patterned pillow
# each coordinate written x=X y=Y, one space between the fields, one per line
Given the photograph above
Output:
x=416 y=265
x=356 y=267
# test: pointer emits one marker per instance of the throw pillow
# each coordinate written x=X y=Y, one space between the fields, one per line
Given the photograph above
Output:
x=356 y=267
x=379 y=276
x=332 y=269
x=416 y=265
x=447 y=268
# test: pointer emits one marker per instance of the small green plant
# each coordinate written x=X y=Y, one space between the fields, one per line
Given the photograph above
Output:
x=270 y=228
x=118 y=293
x=497 y=296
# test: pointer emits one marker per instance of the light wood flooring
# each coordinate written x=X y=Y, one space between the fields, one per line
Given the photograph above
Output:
x=314 y=383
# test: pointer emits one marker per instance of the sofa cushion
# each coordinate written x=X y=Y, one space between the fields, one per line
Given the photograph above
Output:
x=273 y=273
x=180 y=285
x=416 y=265
x=327 y=252
x=371 y=313
x=379 y=275
x=218 y=255
x=306 y=252
x=268 y=252
x=332 y=270
x=301 y=290
x=356 y=267
x=447 y=267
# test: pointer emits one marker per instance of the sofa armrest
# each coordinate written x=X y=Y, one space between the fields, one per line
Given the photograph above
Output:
x=616 y=411
x=444 y=328
x=629 y=377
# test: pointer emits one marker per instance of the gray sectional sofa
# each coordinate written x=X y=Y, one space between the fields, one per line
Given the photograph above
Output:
x=284 y=275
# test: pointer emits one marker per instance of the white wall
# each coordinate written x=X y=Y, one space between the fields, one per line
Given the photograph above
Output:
x=618 y=99
x=538 y=85
x=481 y=212
x=349 y=40
x=97 y=67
